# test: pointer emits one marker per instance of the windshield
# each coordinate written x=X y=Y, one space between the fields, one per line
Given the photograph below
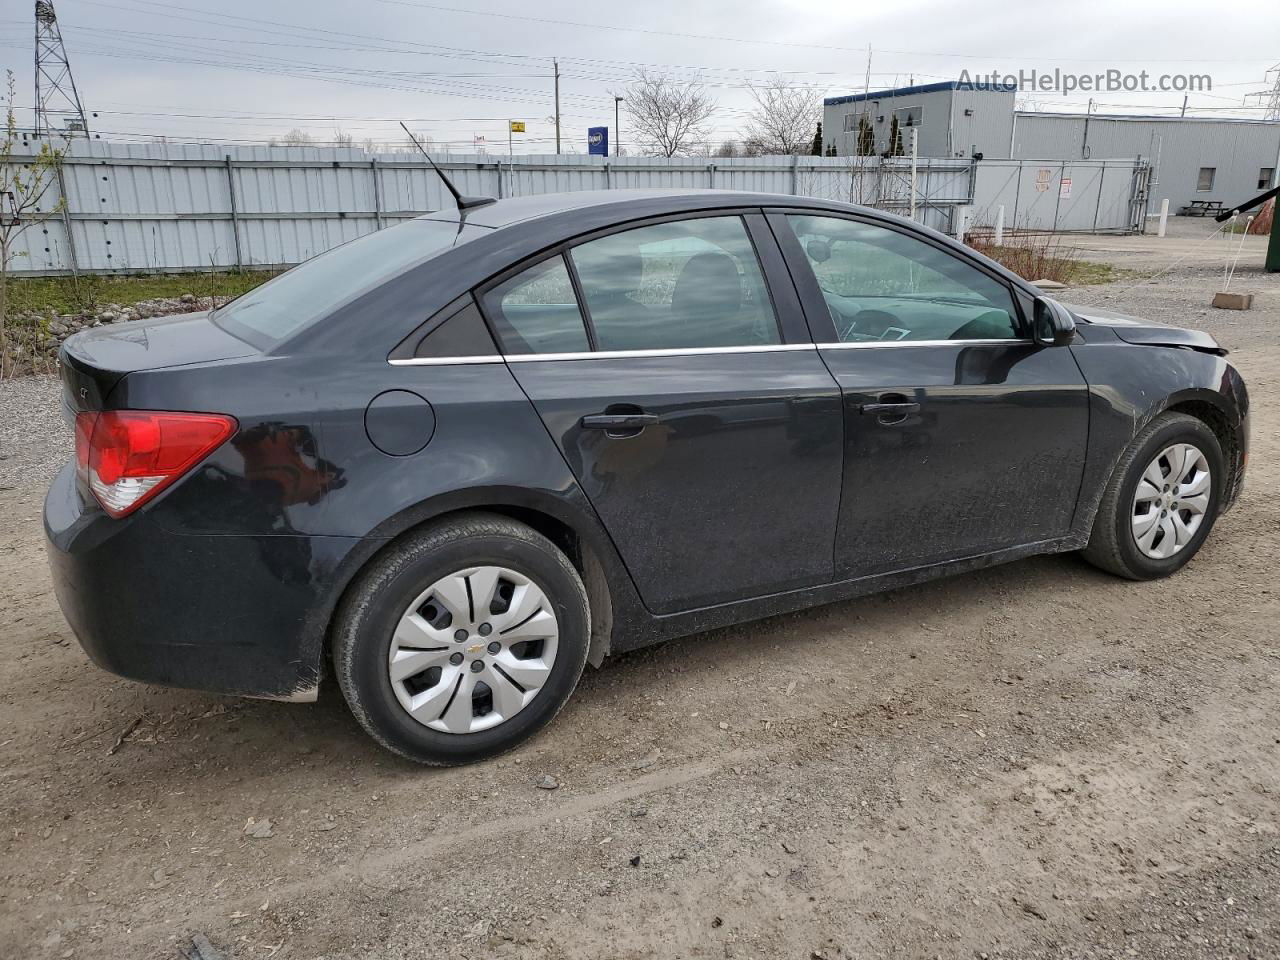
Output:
x=314 y=289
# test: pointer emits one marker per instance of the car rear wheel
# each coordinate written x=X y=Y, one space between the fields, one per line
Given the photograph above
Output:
x=462 y=640
x=1161 y=502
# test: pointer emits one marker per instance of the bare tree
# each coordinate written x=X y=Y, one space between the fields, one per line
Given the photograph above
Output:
x=784 y=117
x=23 y=185
x=343 y=139
x=668 y=116
x=408 y=146
x=294 y=138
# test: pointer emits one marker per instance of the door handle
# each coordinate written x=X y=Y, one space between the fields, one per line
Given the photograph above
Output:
x=890 y=409
x=618 y=422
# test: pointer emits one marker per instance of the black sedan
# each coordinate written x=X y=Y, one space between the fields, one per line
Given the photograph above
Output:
x=462 y=457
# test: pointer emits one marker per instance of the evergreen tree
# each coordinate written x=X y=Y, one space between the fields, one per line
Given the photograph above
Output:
x=817 y=141
x=866 y=138
x=895 y=140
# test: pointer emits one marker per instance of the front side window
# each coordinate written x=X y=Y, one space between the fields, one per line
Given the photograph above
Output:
x=1204 y=182
x=535 y=311
x=677 y=285
x=882 y=285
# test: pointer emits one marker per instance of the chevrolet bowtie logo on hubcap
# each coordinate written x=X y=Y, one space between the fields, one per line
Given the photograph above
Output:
x=476 y=648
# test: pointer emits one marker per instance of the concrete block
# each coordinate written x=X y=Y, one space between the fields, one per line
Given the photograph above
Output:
x=1233 y=301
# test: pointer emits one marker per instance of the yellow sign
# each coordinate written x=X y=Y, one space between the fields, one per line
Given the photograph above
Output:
x=517 y=126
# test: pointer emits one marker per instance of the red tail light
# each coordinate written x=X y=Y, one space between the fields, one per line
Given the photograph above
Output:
x=126 y=457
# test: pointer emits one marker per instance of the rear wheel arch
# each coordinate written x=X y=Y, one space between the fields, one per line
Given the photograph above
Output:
x=587 y=553
x=465 y=700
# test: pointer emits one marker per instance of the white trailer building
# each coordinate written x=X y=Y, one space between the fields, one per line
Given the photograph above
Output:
x=1195 y=161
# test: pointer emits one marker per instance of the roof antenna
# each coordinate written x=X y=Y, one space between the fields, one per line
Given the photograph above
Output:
x=464 y=203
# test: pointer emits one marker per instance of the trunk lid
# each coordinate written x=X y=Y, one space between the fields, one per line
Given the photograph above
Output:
x=93 y=361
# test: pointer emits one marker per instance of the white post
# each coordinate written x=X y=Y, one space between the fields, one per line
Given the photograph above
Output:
x=1164 y=216
x=962 y=221
x=1000 y=225
x=914 y=157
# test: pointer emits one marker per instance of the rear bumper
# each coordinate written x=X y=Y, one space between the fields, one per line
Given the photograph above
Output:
x=227 y=614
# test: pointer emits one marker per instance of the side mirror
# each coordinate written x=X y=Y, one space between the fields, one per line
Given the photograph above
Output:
x=1052 y=323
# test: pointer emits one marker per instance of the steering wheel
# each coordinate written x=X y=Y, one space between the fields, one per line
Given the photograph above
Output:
x=872 y=323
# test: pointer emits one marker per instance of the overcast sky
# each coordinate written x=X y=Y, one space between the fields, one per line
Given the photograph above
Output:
x=246 y=70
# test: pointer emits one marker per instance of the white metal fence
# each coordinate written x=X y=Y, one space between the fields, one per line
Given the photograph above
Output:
x=166 y=207
x=1082 y=196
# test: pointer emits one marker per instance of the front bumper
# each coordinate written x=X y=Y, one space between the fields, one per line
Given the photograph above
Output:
x=1239 y=467
x=227 y=614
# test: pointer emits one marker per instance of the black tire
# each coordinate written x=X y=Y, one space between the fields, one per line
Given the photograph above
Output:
x=368 y=614
x=1112 y=546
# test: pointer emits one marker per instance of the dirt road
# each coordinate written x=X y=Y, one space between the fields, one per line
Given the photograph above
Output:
x=1034 y=761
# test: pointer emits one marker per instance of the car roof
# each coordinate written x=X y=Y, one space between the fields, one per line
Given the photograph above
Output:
x=503 y=213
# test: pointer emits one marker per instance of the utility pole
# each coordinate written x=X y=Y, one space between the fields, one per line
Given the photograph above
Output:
x=866 y=105
x=915 y=156
x=56 y=94
x=555 y=66
x=617 y=128
x=1084 y=144
x=1269 y=100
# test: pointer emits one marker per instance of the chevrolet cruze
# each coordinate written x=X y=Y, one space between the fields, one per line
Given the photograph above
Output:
x=462 y=457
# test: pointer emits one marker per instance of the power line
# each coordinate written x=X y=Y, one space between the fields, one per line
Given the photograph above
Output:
x=139 y=45
x=780 y=43
x=705 y=73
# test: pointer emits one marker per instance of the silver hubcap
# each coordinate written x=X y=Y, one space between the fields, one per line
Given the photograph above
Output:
x=473 y=650
x=1171 y=500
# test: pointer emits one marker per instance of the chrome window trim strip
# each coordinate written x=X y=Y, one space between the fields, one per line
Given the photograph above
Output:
x=917 y=343
x=688 y=352
x=444 y=361
x=673 y=352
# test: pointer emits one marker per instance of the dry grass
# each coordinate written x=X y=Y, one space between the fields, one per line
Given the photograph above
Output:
x=1041 y=257
x=89 y=292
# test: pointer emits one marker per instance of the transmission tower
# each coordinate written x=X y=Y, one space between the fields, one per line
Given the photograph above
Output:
x=1270 y=99
x=58 y=107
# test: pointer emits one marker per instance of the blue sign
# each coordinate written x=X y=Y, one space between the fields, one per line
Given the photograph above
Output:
x=598 y=141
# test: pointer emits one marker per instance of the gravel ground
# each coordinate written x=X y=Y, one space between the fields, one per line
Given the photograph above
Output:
x=1034 y=761
x=35 y=440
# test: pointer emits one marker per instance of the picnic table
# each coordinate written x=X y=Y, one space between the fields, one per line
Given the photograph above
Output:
x=1202 y=208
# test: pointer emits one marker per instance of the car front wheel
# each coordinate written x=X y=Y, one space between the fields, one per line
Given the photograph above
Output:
x=1161 y=502
x=462 y=639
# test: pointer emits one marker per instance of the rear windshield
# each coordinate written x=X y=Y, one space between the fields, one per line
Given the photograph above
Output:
x=310 y=291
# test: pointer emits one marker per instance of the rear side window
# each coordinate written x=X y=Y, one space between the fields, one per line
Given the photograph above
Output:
x=536 y=311
x=682 y=284
x=314 y=289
